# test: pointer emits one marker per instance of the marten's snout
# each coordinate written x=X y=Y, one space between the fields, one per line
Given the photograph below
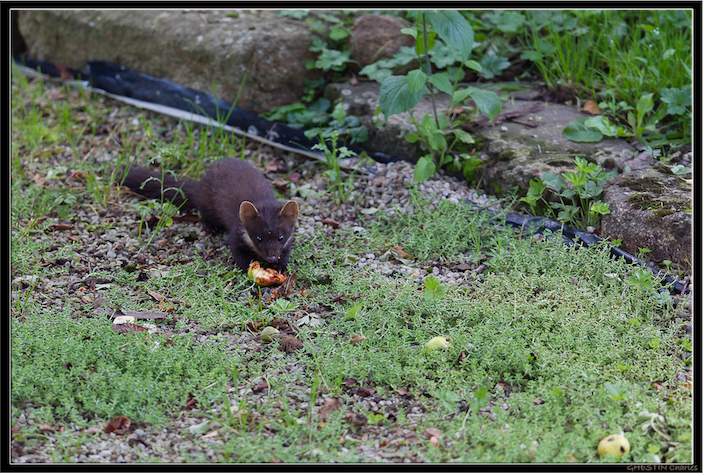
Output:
x=271 y=258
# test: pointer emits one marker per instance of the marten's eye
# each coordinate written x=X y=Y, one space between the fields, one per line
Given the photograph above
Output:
x=258 y=238
x=280 y=237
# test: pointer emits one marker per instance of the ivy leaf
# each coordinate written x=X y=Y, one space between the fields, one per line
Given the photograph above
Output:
x=578 y=131
x=424 y=168
x=493 y=65
x=395 y=96
x=454 y=29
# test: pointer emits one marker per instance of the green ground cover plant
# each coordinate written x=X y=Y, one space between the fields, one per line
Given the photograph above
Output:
x=551 y=347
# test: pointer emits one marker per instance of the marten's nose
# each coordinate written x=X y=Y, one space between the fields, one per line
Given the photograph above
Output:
x=271 y=259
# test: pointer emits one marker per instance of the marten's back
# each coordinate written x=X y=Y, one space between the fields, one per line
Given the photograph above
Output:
x=226 y=185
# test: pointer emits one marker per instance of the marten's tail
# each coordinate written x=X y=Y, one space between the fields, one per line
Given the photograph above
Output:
x=151 y=183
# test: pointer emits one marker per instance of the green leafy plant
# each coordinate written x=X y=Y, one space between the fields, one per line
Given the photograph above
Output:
x=400 y=93
x=434 y=289
x=341 y=182
x=577 y=193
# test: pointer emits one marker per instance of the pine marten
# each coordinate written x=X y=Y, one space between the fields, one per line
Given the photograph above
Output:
x=233 y=196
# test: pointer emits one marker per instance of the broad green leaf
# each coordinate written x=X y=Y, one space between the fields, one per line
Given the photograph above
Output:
x=337 y=33
x=395 y=96
x=487 y=101
x=577 y=131
x=463 y=136
x=493 y=65
x=553 y=181
x=602 y=124
x=420 y=42
x=416 y=80
x=471 y=64
x=424 y=168
x=411 y=137
x=461 y=95
x=442 y=82
x=645 y=105
x=454 y=29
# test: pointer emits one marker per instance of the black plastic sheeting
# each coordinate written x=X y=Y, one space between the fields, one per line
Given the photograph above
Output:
x=119 y=80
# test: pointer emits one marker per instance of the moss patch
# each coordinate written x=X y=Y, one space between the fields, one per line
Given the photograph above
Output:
x=657 y=207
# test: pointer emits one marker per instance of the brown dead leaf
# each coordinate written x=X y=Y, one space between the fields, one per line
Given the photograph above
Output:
x=261 y=386
x=432 y=432
x=571 y=458
x=356 y=339
x=148 y=315
x=403 y=391
x=44 y=427
x=275 y=460
x=332 y=223
x=92 y=430
x=156 y=295
x=127 y=328
x=538 y=401
x=366 y=392
x=399 y=253
x=60 y=227
x=271 y=166
x=354 y=418
x=330 y=404
x=592 y=108
x=191 y=403
x=169 y=343
x=280 y=185
x=119 y=425
x=349 y=382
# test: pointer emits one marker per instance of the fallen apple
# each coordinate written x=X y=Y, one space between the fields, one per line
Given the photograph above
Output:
x=614 y=444
x=267 y=333
x=264 y=277
x=436 y=343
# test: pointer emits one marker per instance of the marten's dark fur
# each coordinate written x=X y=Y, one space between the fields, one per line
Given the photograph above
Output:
x=233 y=196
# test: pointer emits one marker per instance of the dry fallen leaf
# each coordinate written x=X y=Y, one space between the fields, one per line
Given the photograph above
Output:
x=44 y=427
x=330 y=404
x=332 y=223
x=261 y=386
x=119 y=425
x=127 y=328
x=592 y=108
x=432 y=432
x=156 y=295
x=356 y=339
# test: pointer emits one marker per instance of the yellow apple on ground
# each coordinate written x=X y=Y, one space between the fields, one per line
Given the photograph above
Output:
x=614 y=444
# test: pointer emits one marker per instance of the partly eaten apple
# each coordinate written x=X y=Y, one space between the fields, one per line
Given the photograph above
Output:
x=264 y=277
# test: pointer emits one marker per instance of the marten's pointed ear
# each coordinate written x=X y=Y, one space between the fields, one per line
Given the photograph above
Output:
x=247 y=212
x=289 y=211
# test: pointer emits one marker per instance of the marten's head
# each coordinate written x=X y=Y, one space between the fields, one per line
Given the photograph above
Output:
x=269 y=228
